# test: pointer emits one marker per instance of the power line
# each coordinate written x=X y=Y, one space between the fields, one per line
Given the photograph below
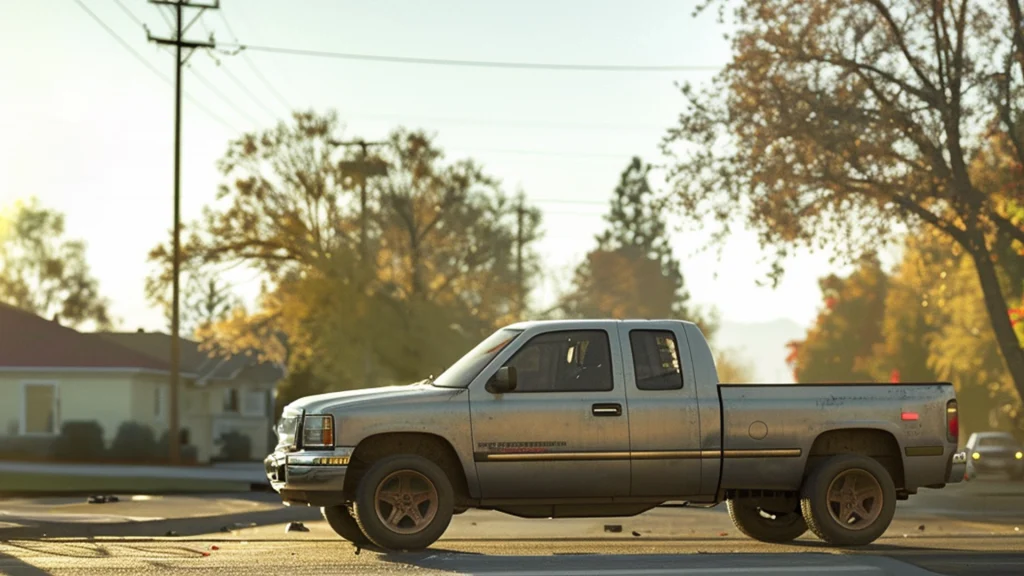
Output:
x=510 y=123
x=152 y=68
x=247 y=91
x=129 y=13
x=473 y=63
x=216 y=91
x=551 y=153
x=252 y=65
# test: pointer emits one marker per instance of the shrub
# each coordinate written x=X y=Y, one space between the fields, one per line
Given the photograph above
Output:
x=134 y=443
x=79 y=442
x=235 y=447
x=189 y=453
x=26 y=447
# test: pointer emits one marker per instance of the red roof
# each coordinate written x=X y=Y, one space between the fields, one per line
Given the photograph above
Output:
x=28 y=341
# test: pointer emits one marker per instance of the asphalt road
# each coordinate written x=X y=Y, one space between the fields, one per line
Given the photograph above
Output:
x=974 y=528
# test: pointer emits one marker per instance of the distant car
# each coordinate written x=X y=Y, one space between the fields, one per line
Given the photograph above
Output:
x=996 y=452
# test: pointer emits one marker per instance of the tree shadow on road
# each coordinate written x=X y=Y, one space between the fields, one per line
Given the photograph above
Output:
x=189 y=526
x=18 y=567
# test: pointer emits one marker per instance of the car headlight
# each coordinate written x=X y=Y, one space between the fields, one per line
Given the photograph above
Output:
x=318 y=431
x=1019 y=455
x=975 y=455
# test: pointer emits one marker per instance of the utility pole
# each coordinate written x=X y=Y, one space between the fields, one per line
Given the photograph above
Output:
x=520 y=297
x=365 y=169
x=179 y=42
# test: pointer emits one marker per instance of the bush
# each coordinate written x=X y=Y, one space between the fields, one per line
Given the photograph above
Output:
x=26 y=447
x=134 y=443
x=189 y=453
x=79 y=442
x=235 y=447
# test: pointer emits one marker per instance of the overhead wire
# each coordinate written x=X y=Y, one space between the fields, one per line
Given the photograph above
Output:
x=145 y=62
x=252 y=65
x=236 y=81
x=473 y=63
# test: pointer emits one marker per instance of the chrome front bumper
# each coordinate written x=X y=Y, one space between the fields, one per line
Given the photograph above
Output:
x=308 y=470
x=958 y=468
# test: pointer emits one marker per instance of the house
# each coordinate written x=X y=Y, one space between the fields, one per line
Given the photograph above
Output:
x=51 y=374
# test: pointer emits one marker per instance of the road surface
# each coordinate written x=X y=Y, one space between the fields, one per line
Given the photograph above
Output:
x=975 y=528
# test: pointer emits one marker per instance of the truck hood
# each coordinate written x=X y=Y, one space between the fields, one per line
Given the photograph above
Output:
x=332 y=401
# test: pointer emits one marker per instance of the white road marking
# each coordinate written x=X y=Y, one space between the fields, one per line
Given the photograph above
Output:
x=746 y=570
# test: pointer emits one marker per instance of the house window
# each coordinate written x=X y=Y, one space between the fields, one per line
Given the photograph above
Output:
x=39 y=408
x=231 y=400
x=255 y=403
x=159 y=395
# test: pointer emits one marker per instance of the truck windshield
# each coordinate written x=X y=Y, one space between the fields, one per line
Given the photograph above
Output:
x=460 y=374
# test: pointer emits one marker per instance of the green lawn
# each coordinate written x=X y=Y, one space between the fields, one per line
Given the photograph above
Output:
x=29 y=482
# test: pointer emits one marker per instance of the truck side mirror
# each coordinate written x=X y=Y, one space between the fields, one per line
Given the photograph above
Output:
x=504 y=380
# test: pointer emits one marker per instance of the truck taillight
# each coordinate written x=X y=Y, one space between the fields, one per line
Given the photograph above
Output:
x=952 y=422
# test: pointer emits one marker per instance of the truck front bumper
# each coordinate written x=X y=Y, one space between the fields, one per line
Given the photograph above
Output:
x=958 y=468
x=310 y=477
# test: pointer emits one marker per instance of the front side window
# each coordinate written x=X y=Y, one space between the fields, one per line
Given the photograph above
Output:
x=656 y=360
x=577 y=361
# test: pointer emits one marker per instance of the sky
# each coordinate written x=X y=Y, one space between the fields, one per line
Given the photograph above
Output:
x=88 y=129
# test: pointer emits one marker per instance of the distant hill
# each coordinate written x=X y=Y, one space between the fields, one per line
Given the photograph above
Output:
x=762 y=345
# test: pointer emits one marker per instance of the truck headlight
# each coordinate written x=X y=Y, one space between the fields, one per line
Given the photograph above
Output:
x=318 y=431
x=975 y=455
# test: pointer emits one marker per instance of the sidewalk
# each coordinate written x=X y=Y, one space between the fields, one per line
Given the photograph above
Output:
x=251 y=472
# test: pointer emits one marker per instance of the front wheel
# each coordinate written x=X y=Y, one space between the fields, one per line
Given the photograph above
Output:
x=343 y=524
x=849 y=500
x=404 y=502
x=765 y=526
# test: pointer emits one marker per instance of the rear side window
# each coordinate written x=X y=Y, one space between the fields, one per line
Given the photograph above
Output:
x=656 y=360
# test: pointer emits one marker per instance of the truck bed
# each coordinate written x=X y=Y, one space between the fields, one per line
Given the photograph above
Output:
x=767 y=427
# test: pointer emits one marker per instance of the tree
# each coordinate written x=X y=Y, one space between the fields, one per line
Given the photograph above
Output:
x=842 y=123
x=731 y=369
x=841 y=344
x=632 y=273
x=44 y=273
x=437 y=270
x=204 y=299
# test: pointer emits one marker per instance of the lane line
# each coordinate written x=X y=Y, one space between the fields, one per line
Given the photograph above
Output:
x=860 y=569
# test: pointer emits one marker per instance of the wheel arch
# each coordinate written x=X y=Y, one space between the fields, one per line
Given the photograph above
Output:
x=873 y=441
x=431 y=446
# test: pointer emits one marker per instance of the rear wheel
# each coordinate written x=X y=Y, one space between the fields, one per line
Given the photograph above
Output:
x=849 y=500
x=339 y=519
x=765 y=526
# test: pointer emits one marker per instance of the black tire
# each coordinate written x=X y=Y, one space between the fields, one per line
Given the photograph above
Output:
x=750 y=521
x=821 y=516
x=343 y=524
x=384 y=471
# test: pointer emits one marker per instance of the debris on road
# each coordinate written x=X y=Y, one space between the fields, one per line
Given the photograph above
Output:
x=102 y=499
x=921 y=527
x=296 y=527
x=615 y=528
x=635 y=533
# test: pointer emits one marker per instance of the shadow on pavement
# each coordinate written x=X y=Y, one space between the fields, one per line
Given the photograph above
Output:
x=189 y=526
x=18 y=567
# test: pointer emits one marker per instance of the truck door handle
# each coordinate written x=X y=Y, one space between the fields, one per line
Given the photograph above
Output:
x=606 y=409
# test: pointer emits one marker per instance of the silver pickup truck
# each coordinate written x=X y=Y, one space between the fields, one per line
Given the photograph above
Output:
x=598 y=418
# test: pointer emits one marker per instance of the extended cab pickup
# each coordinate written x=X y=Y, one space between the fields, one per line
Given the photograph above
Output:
x=590 y=418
